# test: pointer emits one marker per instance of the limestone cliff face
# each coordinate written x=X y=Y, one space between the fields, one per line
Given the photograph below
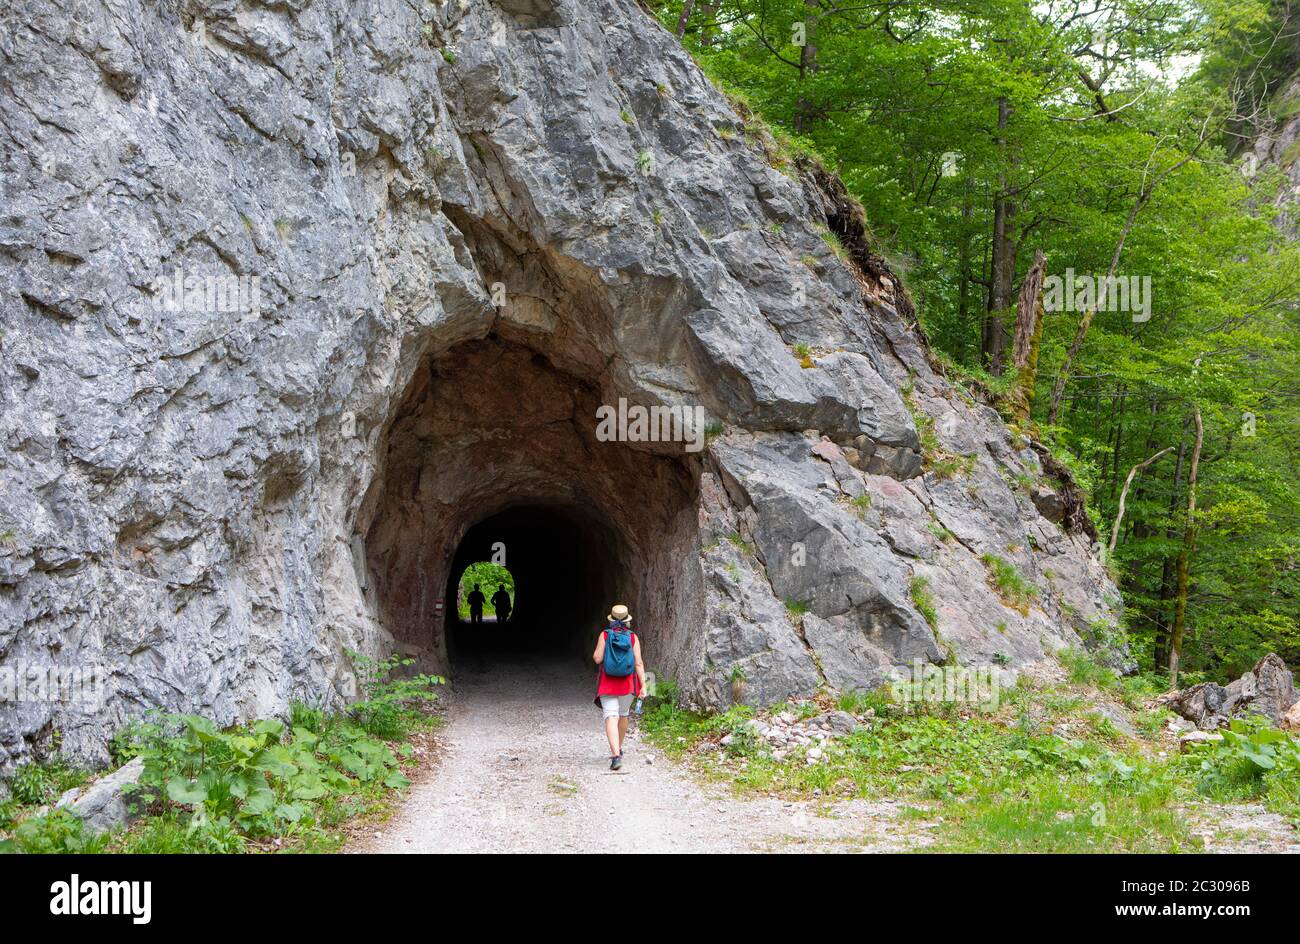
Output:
x=214 y=496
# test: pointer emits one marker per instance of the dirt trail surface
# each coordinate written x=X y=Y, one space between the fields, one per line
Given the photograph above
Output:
x=523 y=767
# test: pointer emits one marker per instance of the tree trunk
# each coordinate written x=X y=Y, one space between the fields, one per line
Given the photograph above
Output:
x=1185 y=558
x=1117 y=425
x=707 y=13
x=1123 y=495
x=1028 y=336
x=805 y=108
x=684 y=19
x=964 y=266
x=1160 y=651
x=1002 y=270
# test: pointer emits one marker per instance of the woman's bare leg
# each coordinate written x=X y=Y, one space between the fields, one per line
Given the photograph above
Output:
x=622 y=733
x=614 y=728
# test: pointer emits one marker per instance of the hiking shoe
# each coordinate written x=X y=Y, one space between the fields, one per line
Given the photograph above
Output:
x=616 y=762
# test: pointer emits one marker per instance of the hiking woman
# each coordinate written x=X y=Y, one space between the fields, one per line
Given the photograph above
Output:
x=621 y=678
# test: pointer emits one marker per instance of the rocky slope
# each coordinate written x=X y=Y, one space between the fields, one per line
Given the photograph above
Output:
x=1278 y=146
x=211 y=499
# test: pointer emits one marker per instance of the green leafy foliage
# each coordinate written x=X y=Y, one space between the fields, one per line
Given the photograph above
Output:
x=35 y=783
x=1249 y=753
x=56 y=832
x=389 y=694
x=209 y=790
x=1253 y=761
x=271 y=779
x=31 y=783
x=256 y=781
x=1084 y=669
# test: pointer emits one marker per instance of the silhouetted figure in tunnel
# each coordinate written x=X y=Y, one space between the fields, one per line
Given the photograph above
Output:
x=476 y=601
x=501 y=603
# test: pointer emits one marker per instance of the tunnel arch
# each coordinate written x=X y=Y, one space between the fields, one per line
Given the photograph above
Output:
x=495 y=439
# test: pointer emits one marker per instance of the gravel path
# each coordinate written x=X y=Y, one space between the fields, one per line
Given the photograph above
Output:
x=523 y=767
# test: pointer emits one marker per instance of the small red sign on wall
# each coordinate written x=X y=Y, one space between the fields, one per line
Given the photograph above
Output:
x=437 y=606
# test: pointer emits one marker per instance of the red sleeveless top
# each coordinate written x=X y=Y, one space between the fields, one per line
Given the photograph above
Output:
x=612 y=685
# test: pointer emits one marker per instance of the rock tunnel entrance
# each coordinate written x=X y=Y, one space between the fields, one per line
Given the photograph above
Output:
x=493 y=450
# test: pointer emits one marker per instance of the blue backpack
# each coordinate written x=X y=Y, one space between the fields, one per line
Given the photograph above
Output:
x=620 y=659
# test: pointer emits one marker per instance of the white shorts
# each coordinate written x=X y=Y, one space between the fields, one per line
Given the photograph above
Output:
x=616 y=706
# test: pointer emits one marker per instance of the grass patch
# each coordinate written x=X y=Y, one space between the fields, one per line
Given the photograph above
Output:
x=1069 y=813
x=563 y=786
x=1290 y=155
x=1082 y=668
x=33 y=784
x=986 y=782
x=1011 y=586
x=740 y=543
x=977 y=382
x=833 y=243
x=934 y=458
x=923 y=600
x=939 y=531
